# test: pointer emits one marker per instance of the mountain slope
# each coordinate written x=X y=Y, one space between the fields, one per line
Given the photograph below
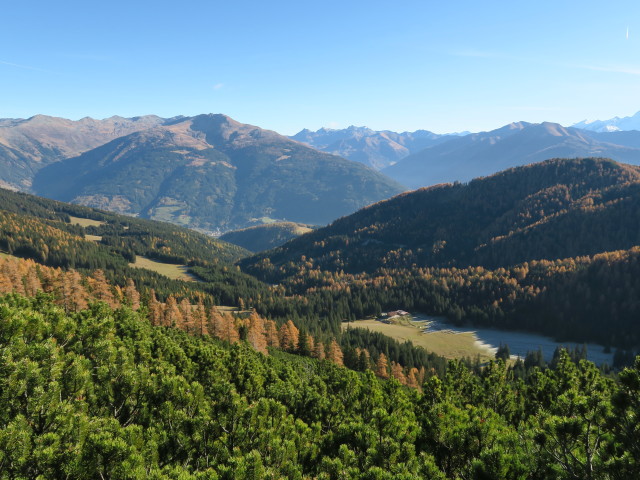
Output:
x=26 y=145
x=214 y=173
x=377 y=149
x=555 y=209
x=480 y=154
x=265 y=237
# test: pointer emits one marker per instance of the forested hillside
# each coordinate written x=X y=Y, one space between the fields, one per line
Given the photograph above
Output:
x=37 y=229
x=554 y=209
x=548 y=248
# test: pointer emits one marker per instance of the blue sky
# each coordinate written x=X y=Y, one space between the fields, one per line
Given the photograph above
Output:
x=288 y=65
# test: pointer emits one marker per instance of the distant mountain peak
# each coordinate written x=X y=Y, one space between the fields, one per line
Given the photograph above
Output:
x=615 y=124
x=375 y=148
x=515 y=144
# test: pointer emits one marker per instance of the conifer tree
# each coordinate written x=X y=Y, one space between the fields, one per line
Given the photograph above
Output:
x=102 y=290
x=382 y=366
x=172 y=316
x=256 y=334
x=335 y=353
x=186 y=315
x=131 y=294
x=155 y=309
x=271 y=332
x=200 y=318
x=318 y=351
x=398 y=373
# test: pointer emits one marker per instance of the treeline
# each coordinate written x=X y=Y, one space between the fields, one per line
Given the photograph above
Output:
x=102 y=393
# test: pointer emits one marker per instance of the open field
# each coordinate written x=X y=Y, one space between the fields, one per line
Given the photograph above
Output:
x=300 y=230
x=93 y=238
x=445 y=343
x=85 y=222
x=175 y=272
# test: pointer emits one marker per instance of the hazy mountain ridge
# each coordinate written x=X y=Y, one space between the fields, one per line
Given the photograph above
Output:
x=516 y=144
x=614 y=124
x=378 y=149
x=26 y=145
x=212 y=172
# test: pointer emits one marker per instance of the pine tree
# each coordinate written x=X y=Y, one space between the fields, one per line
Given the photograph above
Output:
x=215 y=323
x=412 y=378
x=229 y=329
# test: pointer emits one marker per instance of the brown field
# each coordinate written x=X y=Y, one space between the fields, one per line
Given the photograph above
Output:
x=93 y=238
x=85 y=222
x=175 y=272
x=300 y=230
x=447 y=344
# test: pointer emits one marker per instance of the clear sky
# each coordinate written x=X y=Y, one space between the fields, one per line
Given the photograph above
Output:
x=286 y=65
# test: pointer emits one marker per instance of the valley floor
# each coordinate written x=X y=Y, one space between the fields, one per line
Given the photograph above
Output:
x=446 y=343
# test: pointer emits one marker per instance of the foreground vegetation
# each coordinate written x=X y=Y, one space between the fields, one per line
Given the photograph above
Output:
x=101 y=393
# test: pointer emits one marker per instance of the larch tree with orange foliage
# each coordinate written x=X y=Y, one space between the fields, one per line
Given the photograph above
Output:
x=398 y=373
x=131 y=295
x=272 y=334
x=101 y=289
x=289 y=336
x=172 y=316
x=256 y=333
x=382 y=366
x=318 y=351
x=335 y=353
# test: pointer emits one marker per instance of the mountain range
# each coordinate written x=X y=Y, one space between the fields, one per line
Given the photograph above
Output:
x=213 y=173
x=27 y=145
x=480 y=154
x=614 y=124
x=208 y=172
x=377 y=149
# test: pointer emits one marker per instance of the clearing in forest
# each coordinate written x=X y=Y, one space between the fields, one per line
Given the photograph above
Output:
x=175 y=272
x=446 y=343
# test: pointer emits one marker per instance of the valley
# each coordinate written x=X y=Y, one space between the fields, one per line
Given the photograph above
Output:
x=320 y=241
